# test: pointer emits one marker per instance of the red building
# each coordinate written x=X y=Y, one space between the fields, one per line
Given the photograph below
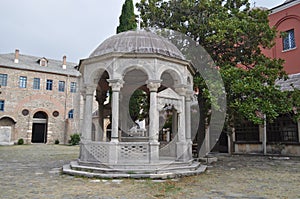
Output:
x=286 y=19
x=283 y=135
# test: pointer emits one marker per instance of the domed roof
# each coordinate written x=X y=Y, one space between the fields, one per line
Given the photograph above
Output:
x=138 y=42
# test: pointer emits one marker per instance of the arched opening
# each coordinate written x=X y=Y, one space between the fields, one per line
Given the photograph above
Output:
x=103 y=107
x=167 y=124
x=134 y=106
x=7 y=129
x=7 y=121
x=39 y=127
x=170 y=79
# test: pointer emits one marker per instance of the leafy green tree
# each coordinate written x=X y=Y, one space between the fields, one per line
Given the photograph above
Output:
x=127 y=19
x=139 y=105
x=233 y=34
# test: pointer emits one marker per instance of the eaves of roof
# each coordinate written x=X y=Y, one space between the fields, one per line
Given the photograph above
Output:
x=30 y=63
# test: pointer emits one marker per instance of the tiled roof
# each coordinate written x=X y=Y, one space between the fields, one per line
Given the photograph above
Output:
x=138 y=42
x=27 y=62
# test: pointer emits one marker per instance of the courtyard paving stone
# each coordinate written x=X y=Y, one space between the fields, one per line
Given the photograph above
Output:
x=34 y=171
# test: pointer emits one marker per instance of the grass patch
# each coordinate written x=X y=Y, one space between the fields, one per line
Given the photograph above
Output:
x=163 y=189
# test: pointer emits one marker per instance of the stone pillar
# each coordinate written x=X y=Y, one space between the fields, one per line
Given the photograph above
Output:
x=265 y=136
x=153 y=86
x=174 y=123
x=100 y=131
x=188 y=100
x=188 y=122
x=182 y=144
x=88 y=111
x=116 y=85
x=83 y=93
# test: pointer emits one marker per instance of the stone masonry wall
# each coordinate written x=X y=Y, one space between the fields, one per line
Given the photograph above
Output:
x=17 y=99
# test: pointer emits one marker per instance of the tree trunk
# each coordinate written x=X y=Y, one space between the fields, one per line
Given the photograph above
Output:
x=202 y=121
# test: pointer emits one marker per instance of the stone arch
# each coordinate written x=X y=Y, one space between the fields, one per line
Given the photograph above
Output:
x=286 y=18
x=27 y=100
x=7 y=130
x=124 y=70
x=7 y=121
x=170 y=78
x=96 y=74
x=135 y=78
x=40 y=110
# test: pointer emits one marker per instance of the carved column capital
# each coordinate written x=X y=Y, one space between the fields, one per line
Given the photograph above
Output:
x=189 y=95
x=181 y=89
x=90 y=89
x=153 y=85
x=115 y=84
x=87 y=90
x=83 y=93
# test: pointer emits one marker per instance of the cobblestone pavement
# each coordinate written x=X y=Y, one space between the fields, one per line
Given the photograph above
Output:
x=33 y=171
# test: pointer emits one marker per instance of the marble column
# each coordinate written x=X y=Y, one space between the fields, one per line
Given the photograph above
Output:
x=83 y=93
x=182 y=144
x=188 y=127
x=116 y=85
x=88 y=111
x=182 y=119
x=153 y=86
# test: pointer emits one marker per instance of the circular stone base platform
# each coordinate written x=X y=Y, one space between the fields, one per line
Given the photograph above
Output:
x=160 y=170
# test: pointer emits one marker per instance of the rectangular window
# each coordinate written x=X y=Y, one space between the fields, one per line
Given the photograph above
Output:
x=71 y=114
x=36 y=83
x=61 y=86
x=289 y=40
x=1 y=105
x=283 y=129
x=246 y=131
x=23 y=82
x=73 y=87
x=3 y=79
x=49 y=84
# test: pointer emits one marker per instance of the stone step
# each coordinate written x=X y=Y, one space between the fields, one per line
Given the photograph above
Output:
x=67 y=169
x=134 y=169
x=161 y=164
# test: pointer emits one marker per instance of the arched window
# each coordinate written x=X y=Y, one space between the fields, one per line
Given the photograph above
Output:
x=71 y=114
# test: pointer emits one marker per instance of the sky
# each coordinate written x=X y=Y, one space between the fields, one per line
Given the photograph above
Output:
x=54 y=28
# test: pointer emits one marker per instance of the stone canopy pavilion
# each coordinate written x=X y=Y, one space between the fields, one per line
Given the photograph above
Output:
x=120 y=65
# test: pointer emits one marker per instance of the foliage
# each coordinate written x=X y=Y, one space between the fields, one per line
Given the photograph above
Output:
x=75 y=139
x=20 y=141
x=56 y=141
x=127 y=18
x=139 y=105
x=233 y=34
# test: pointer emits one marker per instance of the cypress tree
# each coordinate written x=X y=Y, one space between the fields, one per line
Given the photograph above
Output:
x=127 y=18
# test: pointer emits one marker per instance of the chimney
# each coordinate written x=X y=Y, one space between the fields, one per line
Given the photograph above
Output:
x=64 y=66
x=16 y=56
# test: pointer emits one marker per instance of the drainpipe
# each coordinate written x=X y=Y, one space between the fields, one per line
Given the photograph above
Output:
x=65 y=111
